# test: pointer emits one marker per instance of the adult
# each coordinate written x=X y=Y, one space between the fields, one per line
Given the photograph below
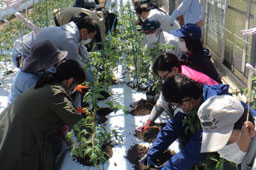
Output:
x=154 y=34
x=229 y=129
x=104 y=18
x=30 y=125
x=187 y=95
x=66 y=37
x=191 y=10
x=196 y=55
x=43 y=56
x=144 y=11
x=168 y=65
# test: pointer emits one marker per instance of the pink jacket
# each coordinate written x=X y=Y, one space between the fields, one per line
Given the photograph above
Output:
x=198 y=77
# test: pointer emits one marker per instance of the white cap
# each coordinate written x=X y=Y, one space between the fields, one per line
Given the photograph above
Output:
x=218 y=115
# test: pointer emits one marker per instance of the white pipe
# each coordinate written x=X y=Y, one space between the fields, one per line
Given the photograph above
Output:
x=28 y=23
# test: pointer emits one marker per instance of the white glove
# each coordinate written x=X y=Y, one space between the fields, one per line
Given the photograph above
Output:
x=83 y=52
x=247 y=33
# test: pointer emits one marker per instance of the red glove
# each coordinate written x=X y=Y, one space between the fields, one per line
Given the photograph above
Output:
x=81 y=88
x=149 y=123
x=80 y=110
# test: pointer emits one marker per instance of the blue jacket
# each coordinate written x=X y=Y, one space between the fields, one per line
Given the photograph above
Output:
x=190 y=155
x=22 y=82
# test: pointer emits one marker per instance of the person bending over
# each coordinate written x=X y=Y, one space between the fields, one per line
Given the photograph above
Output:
x=30 y=126
x=229 y=129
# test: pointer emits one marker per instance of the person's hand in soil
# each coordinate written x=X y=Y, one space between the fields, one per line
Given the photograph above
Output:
x=145 y=160
x=149 y=123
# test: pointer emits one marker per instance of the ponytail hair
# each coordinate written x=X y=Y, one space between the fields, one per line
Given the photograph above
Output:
x=64 y=71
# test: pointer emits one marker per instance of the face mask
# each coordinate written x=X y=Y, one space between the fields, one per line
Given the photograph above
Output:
x=72 y=88
x=86 y=41
x=182 y=46
x=151 y=38
x=232 y=152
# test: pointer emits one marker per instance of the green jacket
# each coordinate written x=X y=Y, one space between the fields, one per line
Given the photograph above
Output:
x=29 y=124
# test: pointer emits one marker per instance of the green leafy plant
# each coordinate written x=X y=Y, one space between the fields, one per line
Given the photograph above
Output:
x=41 y=15
x=116 y=107
x=89 y=142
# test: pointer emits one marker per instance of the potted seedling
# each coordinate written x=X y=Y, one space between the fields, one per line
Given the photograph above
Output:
x=90 y=143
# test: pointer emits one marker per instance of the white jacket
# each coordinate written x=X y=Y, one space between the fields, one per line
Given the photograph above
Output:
x=164 y=20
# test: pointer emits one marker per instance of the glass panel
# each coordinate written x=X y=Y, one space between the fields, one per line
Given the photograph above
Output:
x=238 y=4
x=214 y=29
x=234 y=40
x=251 y=25
x=253 y=2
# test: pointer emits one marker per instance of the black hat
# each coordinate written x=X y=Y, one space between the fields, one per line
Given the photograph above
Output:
x=43 y=56
x=150 y=24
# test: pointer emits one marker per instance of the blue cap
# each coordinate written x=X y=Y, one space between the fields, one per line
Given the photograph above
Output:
x=188 y=30
x=150 y=24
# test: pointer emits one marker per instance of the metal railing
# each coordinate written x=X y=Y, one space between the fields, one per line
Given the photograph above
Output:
x=230 y=41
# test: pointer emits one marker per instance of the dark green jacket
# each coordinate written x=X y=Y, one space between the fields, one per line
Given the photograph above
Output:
x=29 y=124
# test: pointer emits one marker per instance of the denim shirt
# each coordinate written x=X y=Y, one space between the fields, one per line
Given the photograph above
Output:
x=22 y=82
x=192 y=11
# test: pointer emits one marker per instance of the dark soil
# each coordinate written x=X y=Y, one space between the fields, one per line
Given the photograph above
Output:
x=102 y=119
x=136 y=152
x=143 y=107
x=104 y=94
x=161 y=161
x=150 y=134
x=102 y=113
x=85 y=104
x=85 y=161
x=164 y=157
